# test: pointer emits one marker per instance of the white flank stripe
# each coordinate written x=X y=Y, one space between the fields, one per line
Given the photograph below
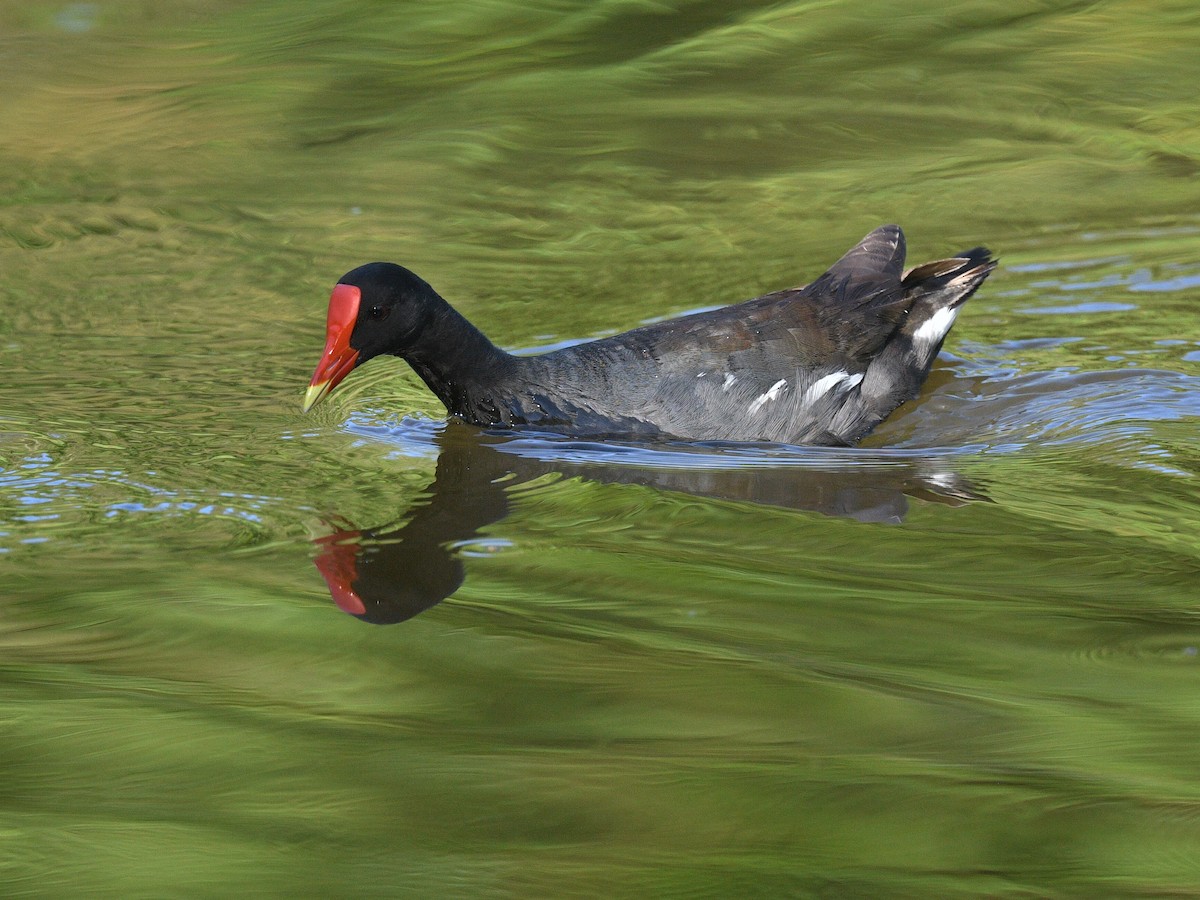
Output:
x=771 y=394
x=820 y=387
x=730 y=381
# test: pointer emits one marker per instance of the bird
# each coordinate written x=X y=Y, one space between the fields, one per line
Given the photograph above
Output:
x=821 y=364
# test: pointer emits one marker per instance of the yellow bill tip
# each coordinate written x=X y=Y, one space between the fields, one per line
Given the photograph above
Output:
x=314 y=394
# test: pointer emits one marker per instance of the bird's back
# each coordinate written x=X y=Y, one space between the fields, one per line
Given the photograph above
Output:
x=821 y=364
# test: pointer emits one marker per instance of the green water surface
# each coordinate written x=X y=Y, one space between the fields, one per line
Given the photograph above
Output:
x=963 y=660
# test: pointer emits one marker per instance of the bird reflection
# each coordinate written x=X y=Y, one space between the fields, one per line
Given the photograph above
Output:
x=392 y=572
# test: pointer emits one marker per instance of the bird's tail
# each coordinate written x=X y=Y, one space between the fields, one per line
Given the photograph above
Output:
x=948 y=283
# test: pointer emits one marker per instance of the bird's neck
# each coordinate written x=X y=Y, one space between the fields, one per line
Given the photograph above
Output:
x=459 y=364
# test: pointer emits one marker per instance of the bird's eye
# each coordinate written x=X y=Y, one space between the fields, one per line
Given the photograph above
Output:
x=379 y=312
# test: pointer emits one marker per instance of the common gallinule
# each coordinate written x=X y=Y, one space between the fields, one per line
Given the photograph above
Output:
x=822 y=364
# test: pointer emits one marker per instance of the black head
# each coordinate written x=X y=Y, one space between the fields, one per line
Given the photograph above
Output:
x=374 y=309
x=393 y=309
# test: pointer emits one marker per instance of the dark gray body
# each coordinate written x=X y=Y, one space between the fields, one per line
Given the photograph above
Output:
x=822 y=364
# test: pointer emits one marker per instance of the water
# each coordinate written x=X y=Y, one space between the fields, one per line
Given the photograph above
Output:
x=960 y=660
